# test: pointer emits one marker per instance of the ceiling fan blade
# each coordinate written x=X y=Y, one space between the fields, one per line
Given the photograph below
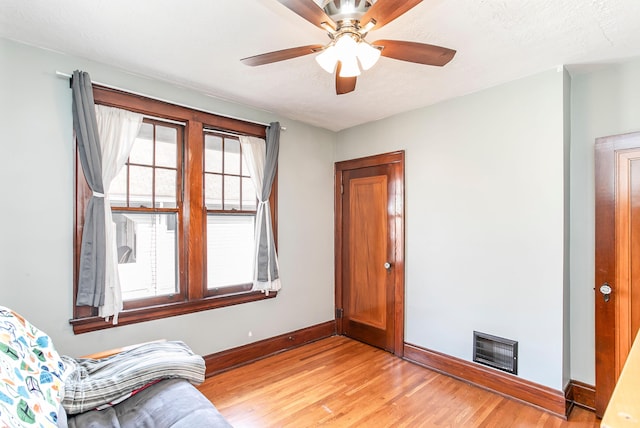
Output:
x=385 y=11
x=276 y=56
x=420 y=53
x=309 y=11
x=344 y=85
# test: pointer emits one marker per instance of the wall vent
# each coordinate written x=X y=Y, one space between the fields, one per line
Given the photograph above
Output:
x=496 y=352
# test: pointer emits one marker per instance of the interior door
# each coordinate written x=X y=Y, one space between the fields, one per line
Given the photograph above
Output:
x=369 y=250
x=617 y=276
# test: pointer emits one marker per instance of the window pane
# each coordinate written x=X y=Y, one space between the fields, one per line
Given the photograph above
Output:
x=229 y=250
x=118 y=189
x=231 y=156
x=231 y=192
x=147 y=260
x=165 y=188
x=140 y=186
x=213 y=153
x=142 y=150
x=213 y=191
x=248 y=195
x=166 y=145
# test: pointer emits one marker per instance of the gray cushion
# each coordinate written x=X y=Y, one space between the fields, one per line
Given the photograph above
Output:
x=171 y=403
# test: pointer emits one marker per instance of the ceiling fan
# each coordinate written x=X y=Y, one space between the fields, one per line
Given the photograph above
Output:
x=347 y=23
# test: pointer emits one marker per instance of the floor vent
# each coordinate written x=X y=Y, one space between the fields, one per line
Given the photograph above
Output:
x=496 y=352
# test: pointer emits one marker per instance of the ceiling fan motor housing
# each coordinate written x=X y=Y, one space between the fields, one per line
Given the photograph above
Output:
x=340 y=10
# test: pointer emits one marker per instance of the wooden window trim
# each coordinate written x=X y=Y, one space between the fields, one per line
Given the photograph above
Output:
x=94 y=323
x=192 y=278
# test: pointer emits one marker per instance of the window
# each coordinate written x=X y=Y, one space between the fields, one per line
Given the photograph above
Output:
x=230 y=198
x=184 y=209
x=145 y=200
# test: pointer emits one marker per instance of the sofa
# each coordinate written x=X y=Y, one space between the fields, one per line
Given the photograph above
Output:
x=174 y=403
x=151 y=385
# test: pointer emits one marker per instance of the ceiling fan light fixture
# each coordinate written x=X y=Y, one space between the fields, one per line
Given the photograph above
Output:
x=367 y=54
x=327 y=59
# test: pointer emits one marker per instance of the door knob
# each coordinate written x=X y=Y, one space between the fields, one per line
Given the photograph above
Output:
x=387 y=265
x=605 y=289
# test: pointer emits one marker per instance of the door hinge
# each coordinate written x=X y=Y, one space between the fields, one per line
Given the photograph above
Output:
x=339 y=313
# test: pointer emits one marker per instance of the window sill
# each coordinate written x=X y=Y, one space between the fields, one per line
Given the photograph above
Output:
x=133 y=316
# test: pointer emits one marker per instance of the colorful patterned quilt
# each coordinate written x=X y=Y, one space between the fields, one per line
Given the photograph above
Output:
x=31 y=374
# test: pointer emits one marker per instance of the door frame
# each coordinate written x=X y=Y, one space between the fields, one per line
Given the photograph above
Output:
x=396 y=158
x=606 y=350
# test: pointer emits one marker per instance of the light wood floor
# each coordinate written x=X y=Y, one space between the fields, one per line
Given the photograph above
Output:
x=340 y=382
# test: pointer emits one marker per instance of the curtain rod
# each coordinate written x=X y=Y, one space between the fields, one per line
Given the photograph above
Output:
x=62 y=75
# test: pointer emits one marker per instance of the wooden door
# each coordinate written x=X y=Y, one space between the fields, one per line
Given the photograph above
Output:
x=617 y=259
x=369 y=250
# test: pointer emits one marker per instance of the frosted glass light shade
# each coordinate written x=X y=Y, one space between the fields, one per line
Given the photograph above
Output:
x=327 y=59
x=350 y=67
x=346 y=48
x=367 y=54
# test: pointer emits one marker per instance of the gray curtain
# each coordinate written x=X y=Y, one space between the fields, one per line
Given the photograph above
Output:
x=93 y=250
x=270 y=167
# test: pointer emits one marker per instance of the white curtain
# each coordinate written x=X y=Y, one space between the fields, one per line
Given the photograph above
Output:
x=118 y=130
x=254 y=152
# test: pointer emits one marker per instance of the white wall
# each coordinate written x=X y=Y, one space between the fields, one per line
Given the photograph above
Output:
x=36 y=212
x=484 y=219
x=605 y=101
x=566 y=124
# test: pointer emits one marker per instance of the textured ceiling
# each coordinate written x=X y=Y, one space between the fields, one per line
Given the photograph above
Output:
x=198 y=44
